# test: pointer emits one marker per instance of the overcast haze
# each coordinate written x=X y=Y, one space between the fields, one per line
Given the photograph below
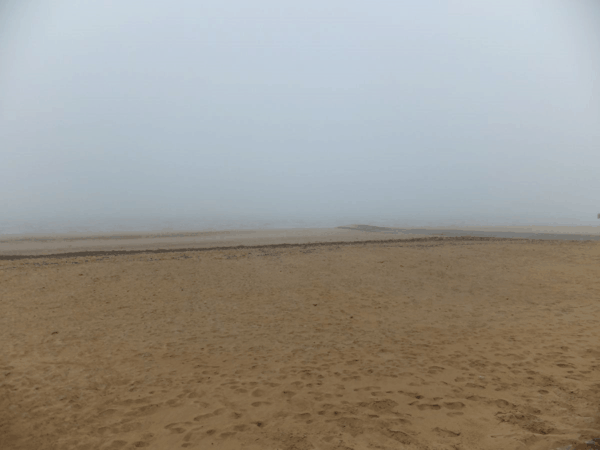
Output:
x=283 y=114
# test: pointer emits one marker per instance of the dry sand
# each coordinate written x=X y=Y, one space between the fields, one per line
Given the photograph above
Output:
x=438 y=343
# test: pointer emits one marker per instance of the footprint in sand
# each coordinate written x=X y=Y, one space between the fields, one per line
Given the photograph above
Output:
x=227 y=434
x=129 y=426
x=206 y=416
x=446 y=433
x=434 y=370
x=429 y=407
x=411 y=394
x=107 y=412
x=399 y=436
x=367 y=388
x=454 y=405
x=382 y=405
x=203 y=417
x=257 y=404
x=144 y=410
x=258 y=393
x=173 y=428
x=475 y=386
x=502 y=404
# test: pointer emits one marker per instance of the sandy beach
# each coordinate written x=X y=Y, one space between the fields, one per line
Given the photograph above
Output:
x=332 y=339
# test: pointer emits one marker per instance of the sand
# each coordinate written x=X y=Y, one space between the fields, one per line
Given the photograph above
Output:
x=28 y=245
x=433 y=343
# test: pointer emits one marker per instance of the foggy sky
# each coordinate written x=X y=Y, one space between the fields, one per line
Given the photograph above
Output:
x=423 y=110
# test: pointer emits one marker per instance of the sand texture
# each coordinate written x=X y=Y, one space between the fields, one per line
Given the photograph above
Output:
x=441 y=343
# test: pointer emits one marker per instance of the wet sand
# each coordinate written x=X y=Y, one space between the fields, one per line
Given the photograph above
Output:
x=547 y=233
x=72 y=244
x=138 y=242
x=429 y=343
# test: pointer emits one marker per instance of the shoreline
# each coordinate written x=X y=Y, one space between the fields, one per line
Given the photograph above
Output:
x=422 y=239
x=53 y=245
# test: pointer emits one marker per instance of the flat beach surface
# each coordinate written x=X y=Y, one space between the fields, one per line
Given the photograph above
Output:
x=31 y=245
x=342 y=341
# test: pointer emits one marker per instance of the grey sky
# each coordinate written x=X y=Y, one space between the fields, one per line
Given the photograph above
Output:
x=420 y=111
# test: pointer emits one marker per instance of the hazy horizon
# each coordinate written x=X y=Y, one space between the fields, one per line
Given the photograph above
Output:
x=141 y=116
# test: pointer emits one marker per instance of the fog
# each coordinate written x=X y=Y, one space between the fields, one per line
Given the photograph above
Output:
x=229 y=114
